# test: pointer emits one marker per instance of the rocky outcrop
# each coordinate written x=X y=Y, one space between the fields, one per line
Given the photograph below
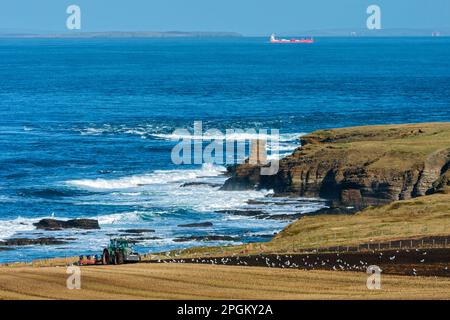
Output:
x=29 y=242
x=137 y=231
x=200 y=183
x=206 y=238
x=53 y=224
x=194 y=225
x=359 y=166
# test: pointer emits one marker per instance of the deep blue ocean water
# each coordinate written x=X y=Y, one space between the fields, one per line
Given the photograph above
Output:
x=85 y=125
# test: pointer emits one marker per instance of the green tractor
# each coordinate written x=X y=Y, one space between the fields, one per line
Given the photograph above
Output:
x=119 y=251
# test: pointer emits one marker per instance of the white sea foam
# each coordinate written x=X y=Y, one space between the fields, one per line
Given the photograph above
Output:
x=5 y=199
x=156 y=177
x=166 y=189
x=140 y=130
x=9 y=227
x=235 y=136
x=119 y=218
x=160 y=131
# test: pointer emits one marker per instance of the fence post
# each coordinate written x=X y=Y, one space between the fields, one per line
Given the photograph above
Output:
x=400 y=244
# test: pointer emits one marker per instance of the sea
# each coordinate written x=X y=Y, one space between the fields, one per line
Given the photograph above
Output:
x=88 y=126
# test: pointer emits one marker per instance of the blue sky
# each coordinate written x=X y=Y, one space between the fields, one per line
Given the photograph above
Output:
x=250 y=17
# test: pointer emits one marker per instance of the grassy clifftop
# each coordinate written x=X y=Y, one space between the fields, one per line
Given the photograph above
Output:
x=382 y=147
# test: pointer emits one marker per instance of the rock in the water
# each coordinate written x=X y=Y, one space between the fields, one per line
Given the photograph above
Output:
x=53 y=224
x=259 y=214
x=141 y=239
x=193 y=225
x=137 y=231
x=243 y=212
x=29 y=242
x=199 y=183
x=206 y=238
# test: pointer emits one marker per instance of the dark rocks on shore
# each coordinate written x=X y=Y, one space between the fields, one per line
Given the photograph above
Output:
x=141 y=239
x=193 y=184
x=29 y=242
x=292 y=216
x=248 y=213
x=137 y=231
x=259 y=214
x=335 y=210
x=264 y=236
x=206 y=238
x=53 y=224
x=193 y=225
x=148 y=238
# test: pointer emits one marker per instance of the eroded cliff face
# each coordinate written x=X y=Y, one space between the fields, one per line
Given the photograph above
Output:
x=360 y=166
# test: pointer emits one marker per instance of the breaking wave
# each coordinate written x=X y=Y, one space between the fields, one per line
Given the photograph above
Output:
x=156 y=177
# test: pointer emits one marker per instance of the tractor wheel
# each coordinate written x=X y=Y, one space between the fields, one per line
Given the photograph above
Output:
x=105 y=256
x=119 y=256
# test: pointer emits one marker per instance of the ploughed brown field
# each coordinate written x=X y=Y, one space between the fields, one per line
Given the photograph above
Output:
x=197 y=281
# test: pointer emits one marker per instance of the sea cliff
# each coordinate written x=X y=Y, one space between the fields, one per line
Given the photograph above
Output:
x=359 y=166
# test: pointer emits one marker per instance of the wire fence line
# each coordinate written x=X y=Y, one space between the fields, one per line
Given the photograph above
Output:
x=426 y=242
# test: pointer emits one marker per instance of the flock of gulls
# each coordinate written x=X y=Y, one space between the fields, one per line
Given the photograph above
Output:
x=329 y=261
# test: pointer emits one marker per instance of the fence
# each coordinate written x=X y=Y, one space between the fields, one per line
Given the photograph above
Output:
x=427 y=242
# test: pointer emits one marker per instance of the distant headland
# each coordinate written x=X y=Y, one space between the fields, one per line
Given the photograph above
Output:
x=123 y=34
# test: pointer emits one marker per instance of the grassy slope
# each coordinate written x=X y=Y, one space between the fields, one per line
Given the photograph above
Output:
x=164 y=281
x=407 y=219
x=415 y=218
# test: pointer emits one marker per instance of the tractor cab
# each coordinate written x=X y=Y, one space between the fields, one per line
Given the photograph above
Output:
x=119 y=251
